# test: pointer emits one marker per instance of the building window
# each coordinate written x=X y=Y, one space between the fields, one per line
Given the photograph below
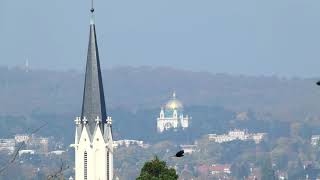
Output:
x=85 y=165
x=108 y=164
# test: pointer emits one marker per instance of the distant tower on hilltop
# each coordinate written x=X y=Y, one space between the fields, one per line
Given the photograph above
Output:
x=93 y=137
x=26 y=66
x=171 y=116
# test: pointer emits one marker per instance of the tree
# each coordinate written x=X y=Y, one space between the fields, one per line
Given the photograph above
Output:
x=267 y=173
x=240 y=170
x=157 y=170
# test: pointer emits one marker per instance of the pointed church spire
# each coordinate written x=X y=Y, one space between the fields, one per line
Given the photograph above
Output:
x=93 y=137
x=93 y=97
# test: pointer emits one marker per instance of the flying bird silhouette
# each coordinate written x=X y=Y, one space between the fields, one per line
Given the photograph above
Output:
x=318 y=83
x=180 y=153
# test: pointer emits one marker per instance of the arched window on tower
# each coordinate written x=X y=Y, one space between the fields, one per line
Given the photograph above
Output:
x=85 y=165
x=108 y=164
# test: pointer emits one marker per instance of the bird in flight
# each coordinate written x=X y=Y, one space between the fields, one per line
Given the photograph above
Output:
x=180 y=154
x=318 y=83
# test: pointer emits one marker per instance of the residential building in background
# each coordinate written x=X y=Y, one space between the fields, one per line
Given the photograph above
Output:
x=127 y=143
x=189 y=148
x=7 y=145
x=32 y=144
x=315 y=140
x=237 y=134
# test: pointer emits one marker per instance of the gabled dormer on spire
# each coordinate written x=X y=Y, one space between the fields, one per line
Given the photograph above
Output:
x=93 y=105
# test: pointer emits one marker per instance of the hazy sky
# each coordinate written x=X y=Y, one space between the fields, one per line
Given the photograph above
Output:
x=251 y=37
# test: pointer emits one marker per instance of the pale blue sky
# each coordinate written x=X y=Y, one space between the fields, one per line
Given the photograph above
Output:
x=252 y=37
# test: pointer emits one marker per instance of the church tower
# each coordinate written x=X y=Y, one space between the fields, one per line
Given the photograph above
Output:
x=171 y=116
x=93 y=136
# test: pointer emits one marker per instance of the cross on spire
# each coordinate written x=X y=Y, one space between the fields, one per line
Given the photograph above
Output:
x=92 y=13
x=92 y=9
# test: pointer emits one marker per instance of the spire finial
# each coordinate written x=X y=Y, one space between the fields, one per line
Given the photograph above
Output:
x=92 y=13
x=92 y=9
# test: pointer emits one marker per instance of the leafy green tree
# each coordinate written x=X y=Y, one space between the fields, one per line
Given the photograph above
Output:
x=157 y=170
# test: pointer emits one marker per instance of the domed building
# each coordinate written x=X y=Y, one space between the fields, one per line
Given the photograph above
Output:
x=171 y=116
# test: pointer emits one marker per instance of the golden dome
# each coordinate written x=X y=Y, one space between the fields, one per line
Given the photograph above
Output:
x=174 y=103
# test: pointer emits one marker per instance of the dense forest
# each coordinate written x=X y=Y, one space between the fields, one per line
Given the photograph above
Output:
x=137 y=88
x=285 y=109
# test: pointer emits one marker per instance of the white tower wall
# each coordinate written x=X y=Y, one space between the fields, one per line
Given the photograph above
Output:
x=99 y=165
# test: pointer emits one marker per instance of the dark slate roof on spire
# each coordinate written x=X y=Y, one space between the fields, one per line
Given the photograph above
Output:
x=93 y=105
